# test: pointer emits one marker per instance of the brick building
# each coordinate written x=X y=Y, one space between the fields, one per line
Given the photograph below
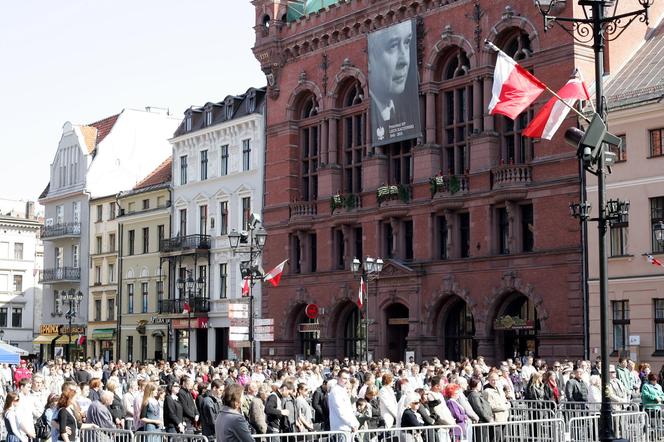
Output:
x=471 y=218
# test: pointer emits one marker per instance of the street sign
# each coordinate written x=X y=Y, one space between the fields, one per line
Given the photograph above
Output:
x=263 y=321
x=311 y=310
x=238 y=310
x=309 y=327
x=235 y=322
x=264 y=329
x=264 y=337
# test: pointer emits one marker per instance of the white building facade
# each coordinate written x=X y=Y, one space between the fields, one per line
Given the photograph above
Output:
x=91 y=161
x=218 y=160
x=21 y=258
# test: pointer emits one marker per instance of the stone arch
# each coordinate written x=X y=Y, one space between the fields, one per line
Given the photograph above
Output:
x=441 y=48
x=288 y=313
x=510 y=21
x=345 y=74
x=145 y=273
x=448 y=291
x=130 y=274
x=335 y=308
x=301 y=91
x=510 y=285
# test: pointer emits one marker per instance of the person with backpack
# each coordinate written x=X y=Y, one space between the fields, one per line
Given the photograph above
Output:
x=43 y=428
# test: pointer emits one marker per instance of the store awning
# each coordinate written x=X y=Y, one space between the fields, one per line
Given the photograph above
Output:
x=103 y=334
x=64 y=339
x=44 y=339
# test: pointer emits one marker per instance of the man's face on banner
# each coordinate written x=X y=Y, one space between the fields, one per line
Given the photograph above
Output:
x=391 y=60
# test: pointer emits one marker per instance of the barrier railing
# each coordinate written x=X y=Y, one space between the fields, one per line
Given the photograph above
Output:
x=543 y=430
x=571 y=410
x=160 y=436
x=631 y=426
x=441 y=433
x=312 y=436
x=106 y=435
x=655 y=424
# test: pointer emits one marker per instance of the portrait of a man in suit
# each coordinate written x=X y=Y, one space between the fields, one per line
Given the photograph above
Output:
x=393 y=84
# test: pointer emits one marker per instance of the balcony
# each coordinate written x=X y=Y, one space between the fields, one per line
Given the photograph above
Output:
x=197 y=305
x=448 y=185
x=302 y=210
x=63 y=230
x=511 y=176
x=185 y=244
x=62 y=274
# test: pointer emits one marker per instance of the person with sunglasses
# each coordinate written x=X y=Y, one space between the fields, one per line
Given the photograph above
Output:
x=173 y=419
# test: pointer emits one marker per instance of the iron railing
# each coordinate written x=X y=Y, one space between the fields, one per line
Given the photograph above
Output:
x=188 y=242
x=60 y=274
x=196 y=304
x=63 y=229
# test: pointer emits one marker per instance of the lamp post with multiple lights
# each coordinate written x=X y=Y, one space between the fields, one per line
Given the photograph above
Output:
x=597 y=26
x=73 y=299
x=188 y=284
x=369 y=270
x=253 y=241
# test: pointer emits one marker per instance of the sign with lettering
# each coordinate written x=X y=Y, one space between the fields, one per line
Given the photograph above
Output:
x=508 y=322
x=61 y=329
x=309 y=327
x=181 y=324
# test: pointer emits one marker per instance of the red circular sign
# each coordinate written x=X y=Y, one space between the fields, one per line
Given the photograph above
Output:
x=311 y=311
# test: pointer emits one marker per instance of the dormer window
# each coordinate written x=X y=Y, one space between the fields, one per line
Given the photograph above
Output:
x=251 y=101
x=228 y=109
x=208 y=117
x=187 y=123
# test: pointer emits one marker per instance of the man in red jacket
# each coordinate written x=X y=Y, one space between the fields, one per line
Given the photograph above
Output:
x=22 y=372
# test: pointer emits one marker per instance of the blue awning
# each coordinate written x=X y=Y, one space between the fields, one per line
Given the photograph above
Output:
x=8 y=356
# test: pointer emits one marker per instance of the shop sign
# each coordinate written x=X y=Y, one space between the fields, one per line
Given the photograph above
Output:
x=309 y=327
x=158 y=320
x=60 y=329
x=75 y=330
x=183 y=324
x=508 y=322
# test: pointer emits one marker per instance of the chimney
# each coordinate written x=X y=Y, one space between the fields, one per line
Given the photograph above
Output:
x=30 y=210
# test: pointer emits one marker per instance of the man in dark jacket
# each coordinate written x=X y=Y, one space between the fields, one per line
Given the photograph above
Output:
x=210 y=408
x=189 y=411
x=321 y=407
x=231 y=426
x=576 y=390
x=274 y=408
x=479 y=405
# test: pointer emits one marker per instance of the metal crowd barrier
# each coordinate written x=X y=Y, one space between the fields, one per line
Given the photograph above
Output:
x=312 y=436
x=106 y=435
x=161 y=436
x=655 y=424
x=543 y=430
x=631 y=426
x=534 y=405
x=442 y=433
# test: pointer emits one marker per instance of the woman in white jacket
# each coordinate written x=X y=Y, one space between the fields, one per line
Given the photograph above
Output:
x=387 y=401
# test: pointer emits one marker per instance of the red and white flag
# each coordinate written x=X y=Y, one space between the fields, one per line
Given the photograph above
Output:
x=654 y=261
x=245 y=287
x=554 y=112
x=514 y=88
x=186 y=308
x=361 y=293
x=274 y=275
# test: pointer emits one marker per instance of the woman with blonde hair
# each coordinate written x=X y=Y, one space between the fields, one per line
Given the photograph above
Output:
x=116 y=408
x=150 y=410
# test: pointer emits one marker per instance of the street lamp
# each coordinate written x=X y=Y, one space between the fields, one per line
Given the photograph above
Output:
x=596 y=27
x=255 y=238
x=73 y=299
x=369 y=271
x=189 y=283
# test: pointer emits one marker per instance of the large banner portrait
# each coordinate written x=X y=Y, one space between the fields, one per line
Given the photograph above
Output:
x=393 y=84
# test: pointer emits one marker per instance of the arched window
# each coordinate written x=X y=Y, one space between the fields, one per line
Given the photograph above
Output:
x=459 y=333
x=309 y=147
x=457 y=111
x=352 y=134
x=515 y=148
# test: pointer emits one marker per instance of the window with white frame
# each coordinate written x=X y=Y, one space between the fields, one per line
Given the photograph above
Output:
x=246 y=152
x=75 y=256
x=183 y=170
x=224 y=160
x=204 y=165
x=223 y=217
x=223 y=281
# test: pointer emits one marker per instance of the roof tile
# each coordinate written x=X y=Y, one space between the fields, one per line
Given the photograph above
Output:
x=162 y=174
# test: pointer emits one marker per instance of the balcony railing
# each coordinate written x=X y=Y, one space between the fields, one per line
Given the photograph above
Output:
x=189 y=242
x=197 y=305
x=60 y=274
x=513 y=175
x=302 y=209
x=64 y=229
x=448 y=184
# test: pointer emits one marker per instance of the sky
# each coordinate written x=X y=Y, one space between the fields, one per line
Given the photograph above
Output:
x=82 y=61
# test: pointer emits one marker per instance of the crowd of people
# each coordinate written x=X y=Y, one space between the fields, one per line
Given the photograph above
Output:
x=231 y=400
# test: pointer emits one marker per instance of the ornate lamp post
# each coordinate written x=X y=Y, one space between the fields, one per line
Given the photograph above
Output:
x=368 y=271
x=73 y=299
x=255 y=237
x=189 y=284
x=597 y=26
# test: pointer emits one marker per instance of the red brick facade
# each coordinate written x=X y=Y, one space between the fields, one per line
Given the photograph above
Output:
x=511 y=247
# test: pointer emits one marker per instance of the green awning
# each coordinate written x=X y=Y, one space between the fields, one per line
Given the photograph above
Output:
x=103 y=334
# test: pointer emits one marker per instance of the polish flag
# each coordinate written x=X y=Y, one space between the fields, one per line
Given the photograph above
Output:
x=274 y=275
x=514 y=88
x=554 y=112
x=654 y=261
x=361 y=293
x=245 y=287
x=186 y=308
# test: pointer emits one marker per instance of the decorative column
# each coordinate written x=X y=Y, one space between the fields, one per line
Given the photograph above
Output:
x=488 y=119
x=477 y=105
x=430 y=118
x=332 y=137
x=324 y=153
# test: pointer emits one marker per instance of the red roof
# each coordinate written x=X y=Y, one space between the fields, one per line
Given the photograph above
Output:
x=104 y=127
x=162 y=174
